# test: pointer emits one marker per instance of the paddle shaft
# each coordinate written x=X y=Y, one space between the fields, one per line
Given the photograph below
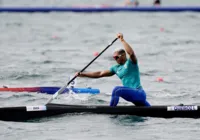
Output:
x=63 y=88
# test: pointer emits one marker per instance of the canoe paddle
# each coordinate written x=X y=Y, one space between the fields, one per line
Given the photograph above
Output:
x=63 y=88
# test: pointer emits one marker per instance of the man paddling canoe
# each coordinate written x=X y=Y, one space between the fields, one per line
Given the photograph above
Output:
x=128 y=71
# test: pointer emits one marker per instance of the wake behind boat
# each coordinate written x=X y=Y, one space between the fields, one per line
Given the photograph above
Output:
x=25 y=113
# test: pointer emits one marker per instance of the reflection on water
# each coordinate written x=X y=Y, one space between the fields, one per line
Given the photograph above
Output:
x=127 y=120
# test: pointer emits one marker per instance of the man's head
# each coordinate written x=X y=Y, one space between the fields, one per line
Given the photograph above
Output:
x=120 y=56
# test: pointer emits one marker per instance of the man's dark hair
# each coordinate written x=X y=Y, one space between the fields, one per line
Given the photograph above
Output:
x=121 y=51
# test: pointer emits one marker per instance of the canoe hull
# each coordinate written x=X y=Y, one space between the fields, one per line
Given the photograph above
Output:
x=25 y=113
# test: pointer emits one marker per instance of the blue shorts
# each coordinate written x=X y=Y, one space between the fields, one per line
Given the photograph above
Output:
x=136 y=96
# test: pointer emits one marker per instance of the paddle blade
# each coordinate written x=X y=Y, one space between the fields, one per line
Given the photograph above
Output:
x=57 y=93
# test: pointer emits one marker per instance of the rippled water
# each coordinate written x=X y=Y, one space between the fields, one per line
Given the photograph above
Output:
x=44 y=49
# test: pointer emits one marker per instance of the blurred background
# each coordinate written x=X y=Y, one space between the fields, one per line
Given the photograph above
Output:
x=92 y=2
